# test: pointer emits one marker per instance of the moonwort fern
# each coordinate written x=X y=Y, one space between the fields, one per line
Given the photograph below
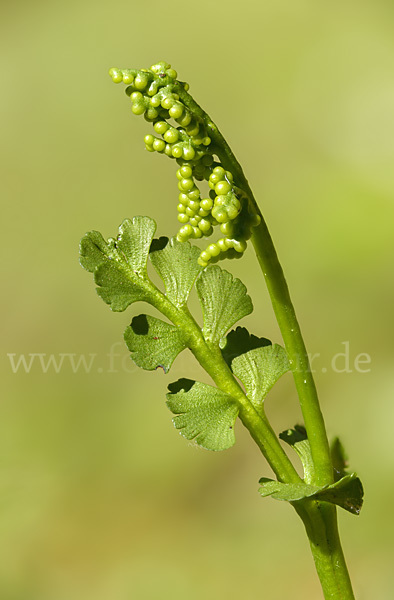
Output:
x=242 y=366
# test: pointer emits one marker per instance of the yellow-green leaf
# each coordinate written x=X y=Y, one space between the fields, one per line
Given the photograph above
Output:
x=204 y=413
x=153 y=343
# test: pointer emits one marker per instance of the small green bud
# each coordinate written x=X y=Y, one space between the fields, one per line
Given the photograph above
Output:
x=255 y=220
x=194 y=194
x=176 y=110
x=197 y=233
x=116 y=74
x=219 y=171
x=148 y=139
x=177 y=151
x=222 y=244
x=186 y=171
x=184 y=199
x=206 y=204
x=155 y=101
x=182 y=218
x=186 y=231
x=213 y=249
x=138 y=108
x=161 y=127
x=128 y=78
x=222 y=187
x=171 y=135
x=205 y=256
x=219 y=214
x=235 y=202
x=152 y=89
x=205 y=227
x=172 y=73
x=227 y=228
x=220 y=200
x=186 y=184
x=185 y=119
x=194 y=205
x=193 y=129
x=167 y=102
x=135 y=96
x=197 y=141
x=141 y=81
x=151 y=113
x=239 y=245
x=160 y=67
x=158 y=145
x=232 y=212
x=188 y=153
x=203 y=213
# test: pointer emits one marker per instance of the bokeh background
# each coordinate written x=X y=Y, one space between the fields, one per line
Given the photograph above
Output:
x=100 y=498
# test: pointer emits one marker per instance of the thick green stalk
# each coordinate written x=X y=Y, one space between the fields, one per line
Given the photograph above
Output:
x=298 y=357
x=320 y=520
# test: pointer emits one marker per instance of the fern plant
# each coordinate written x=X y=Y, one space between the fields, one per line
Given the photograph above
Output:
x=242 y=366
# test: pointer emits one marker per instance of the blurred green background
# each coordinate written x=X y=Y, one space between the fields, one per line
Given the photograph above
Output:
x=100 y=498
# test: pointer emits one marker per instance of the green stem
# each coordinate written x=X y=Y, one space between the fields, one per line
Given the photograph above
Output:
x=296 y=350
x=320 y=520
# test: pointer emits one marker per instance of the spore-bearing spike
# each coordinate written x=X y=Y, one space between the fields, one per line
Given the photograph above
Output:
x=153 y=93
